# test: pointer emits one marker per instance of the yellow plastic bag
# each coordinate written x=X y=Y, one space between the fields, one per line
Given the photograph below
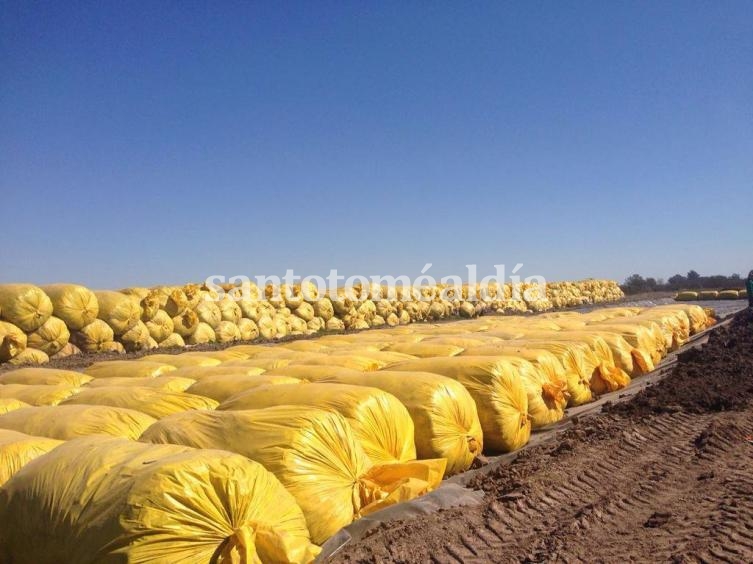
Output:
x=24 y=305
x=181 y=360
x=128 y=368
x=50 y=338
x=66 y=422
x=18 y=449
x=112 y=500
x=354 y=361
x=154 y=402
x=160 y=326
x=37 y=394
x=200 y=372
x=249 y=330
x=314 y=373
x=444 y=414
x=119 y=311
x=227 y=332
x=313 y=452
x=75 y=305
x=172 y=341
x=426 y=350
x=29 y=356
x=500 y=396
x=45 y=376
x=95 y=337
x=167 y=383
x=12 y=341
x=632 y=360
x=381 y=423
x=224 y=386
x=202 y=335
x=10 y=404
x=137 y=338
x=186 y=323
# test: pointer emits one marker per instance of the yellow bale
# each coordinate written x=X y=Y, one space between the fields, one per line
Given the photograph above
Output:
x=18 y=449
x=181 y=360
x=37 y=394
x=45 y=376
x=75 y=305
x=66 y=422
x=114 y=500
x=198 y=373
x=128 y=369
x=50 y=338
x=160 y=326
x=29 y=357
x=154 y=402
x=202 y=335
x=186 y=323
x=95 y=337
x=167 y=383
x=12 y=341
x=173 y=340
x=24 y=305
x=381 y=423
x=221 y=387
x=426 y=350
x=444 y=414
x=314 y=454
x=119 y=311
x=10 y=404
x=500 y=395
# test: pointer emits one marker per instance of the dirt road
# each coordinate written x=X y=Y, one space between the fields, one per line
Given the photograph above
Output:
x=665 y=477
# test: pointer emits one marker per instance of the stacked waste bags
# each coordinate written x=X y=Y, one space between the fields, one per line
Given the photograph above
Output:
x=56 y=320
x=99 y=499
x=345 y=424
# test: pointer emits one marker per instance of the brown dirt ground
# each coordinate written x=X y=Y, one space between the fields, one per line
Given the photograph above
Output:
x=666 y=477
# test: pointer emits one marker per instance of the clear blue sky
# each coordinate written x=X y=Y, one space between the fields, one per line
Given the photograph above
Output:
x=161 y=142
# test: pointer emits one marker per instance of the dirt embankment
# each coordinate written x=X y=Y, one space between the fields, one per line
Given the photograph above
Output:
x=667 y=476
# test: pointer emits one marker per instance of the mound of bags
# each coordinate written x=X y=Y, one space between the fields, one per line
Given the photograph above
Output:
x=100 y=499
x=315 y=455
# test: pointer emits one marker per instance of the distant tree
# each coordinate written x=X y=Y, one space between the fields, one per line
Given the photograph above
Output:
x=717 y=281
x=634 y=284
x=651 y=284
x=694 y=279
x=677 y=282
x=735 y=277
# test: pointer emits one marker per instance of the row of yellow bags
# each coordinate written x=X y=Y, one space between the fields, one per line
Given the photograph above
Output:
x=448 y=382
x=58 y=320
x=691 y=295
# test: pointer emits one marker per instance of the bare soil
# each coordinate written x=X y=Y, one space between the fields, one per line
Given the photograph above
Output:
x=665 y=477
